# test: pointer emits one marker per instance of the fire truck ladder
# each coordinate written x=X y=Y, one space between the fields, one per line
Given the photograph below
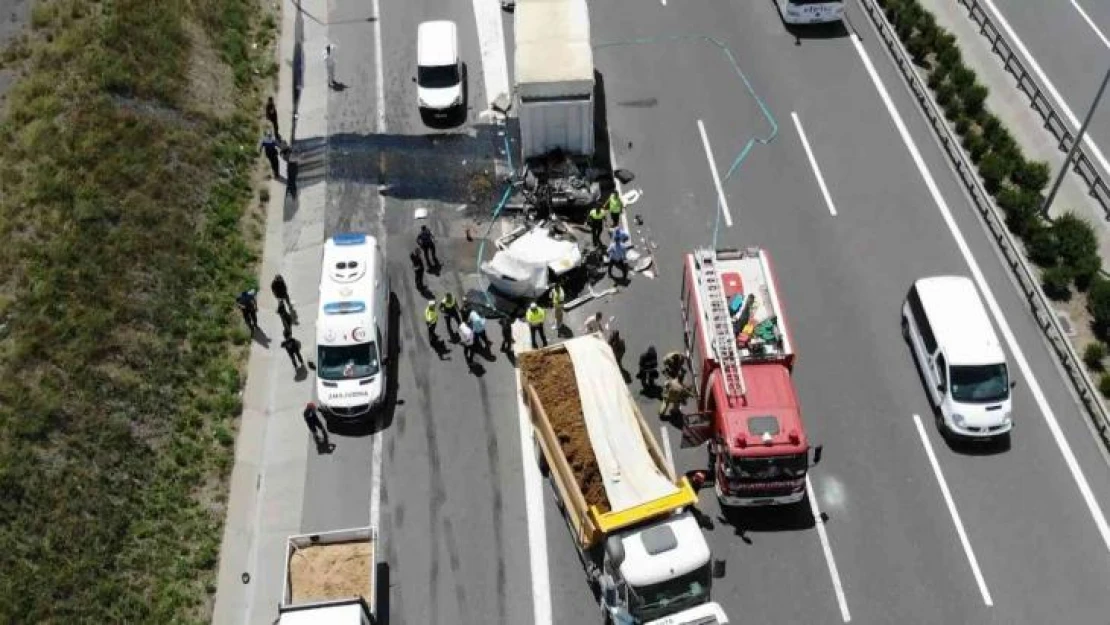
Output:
x=723 y=340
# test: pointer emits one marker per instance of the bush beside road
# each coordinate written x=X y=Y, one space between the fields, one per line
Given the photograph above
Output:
x=130 y=152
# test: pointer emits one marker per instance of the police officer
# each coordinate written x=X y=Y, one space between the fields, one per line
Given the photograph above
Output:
x=596 y=219
x=248 y=306
x=280 y=290
x=431 y=318
x=315 y=426
x=616 y=205
x=417 y=267
x=293 y=347
x=649 y=368
x=427 y=244
x=535 y=316
x=449 y=306
x=558 y=297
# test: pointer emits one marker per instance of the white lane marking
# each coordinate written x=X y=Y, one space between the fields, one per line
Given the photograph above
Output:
x=491 y=43
x=1091 y=23
x=379 y=72
x=813 y=164
x=375 y=479
x=964 y=541
x=1033 y=65
x=716 y=176
x=834 y=573
x=533 y=503
x=992 y=303
x=667 y=446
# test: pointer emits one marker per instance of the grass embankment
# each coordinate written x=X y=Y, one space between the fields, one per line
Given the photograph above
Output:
x=129 y=151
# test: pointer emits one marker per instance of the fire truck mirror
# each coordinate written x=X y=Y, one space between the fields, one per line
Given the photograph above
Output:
x=817 y=453
x=718 y=569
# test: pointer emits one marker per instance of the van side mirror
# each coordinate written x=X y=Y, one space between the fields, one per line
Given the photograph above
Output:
x=817 y=453
x=942 y=388
x=718 y=569
x=311 y=365
x=414 y=78
x=1013 y=383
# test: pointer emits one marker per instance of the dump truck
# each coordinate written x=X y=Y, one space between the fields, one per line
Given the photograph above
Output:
x=330 y=578
x=632 y=519
x=742 y=359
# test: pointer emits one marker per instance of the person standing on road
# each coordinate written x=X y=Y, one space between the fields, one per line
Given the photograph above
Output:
x=649 y=368
x=535 y=316
x=428 y=245
x=280 y=290
x=558 y=298
x=315 y=426
x=674 y=395
x=271 y=116
x=293 y=347
x=248 y=306
x=616 y=206
x=596 y=219
x=674 y=366
x=270 y=146
x=616 y=343
x=417 y=267
x=286 y=317
x=594 y=324
x=466 y=337
x=617 y=258
x=477 y=323
x=431 y=318
x=449 y=306
x=506 y=333
x=329 y=63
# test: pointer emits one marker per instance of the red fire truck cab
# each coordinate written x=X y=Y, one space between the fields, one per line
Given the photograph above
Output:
x=741 y=357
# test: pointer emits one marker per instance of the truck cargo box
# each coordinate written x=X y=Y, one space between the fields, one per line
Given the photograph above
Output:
x=329 y=578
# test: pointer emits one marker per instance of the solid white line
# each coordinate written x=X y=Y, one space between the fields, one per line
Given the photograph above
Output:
x=992 y=304
x=813 y=164
x=1033 y=65
x=834 y=573
x=375 y=479
x=955 y=513
x=667 y=446
x=379 y=72
x=716 y=176
x=1091 y=23
x=533 y=503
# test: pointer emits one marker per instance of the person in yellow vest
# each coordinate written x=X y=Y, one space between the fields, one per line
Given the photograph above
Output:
x=596 y=219
x=616 y=205
x=450 y=307
x=558 y=298
x=535 y=316
x=431 y=317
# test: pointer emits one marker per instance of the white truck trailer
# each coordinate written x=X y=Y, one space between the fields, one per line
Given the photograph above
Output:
x=554 y=82
x=330 y=578
x=642 y=547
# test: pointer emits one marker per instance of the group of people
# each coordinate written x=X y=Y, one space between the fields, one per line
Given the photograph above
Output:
x=247 y=303
x=616 y=253
x=674 y=391
x=467 y=326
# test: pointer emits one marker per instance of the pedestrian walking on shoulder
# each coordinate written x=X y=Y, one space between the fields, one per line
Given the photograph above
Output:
x=427 y=244
x=449 y=306
x=506 y=323
x=558 y=298
x=329 y=63
x=431 y=318
x=271 y=116
x=535 y=316
x=596 y=219
x=286 y=317
x=280 y=290
x=315 y=425
x=477 y=324
x=248 y=306
x=293 y=347
x=417 y=267
x=616 y=206
x=270 y=146
x=466 y=337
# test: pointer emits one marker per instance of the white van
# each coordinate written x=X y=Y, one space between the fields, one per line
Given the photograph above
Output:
x=439 y=88
x=352 y=326
x=960 y=357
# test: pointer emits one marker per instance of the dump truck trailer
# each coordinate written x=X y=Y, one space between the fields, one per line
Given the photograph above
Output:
x=330 y=578
x=630 y=515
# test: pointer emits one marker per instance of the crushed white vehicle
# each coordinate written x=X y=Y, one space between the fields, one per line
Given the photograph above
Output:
x=530 y=257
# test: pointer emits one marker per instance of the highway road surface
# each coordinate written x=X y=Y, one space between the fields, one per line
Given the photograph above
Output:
x=915 y=530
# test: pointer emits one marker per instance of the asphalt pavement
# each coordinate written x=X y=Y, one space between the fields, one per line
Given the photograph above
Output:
x=440 y=469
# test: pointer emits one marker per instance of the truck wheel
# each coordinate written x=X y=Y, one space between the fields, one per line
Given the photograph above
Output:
x=545 y=470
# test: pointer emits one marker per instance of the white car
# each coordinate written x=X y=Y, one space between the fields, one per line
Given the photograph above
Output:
x=439 y=72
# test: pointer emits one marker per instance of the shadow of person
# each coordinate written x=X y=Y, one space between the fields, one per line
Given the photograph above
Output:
x=324 y=447
x=260 y=337
x=339 y=86
x=301 y=374
x=441 y=349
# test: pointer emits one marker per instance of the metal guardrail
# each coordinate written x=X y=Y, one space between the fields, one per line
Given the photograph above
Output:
x=1054 y=121
x=1026 y=276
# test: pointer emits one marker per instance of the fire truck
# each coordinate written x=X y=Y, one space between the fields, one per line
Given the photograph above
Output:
x=741 y=357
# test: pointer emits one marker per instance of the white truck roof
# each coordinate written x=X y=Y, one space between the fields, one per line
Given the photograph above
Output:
x=350 y=614
x=553 y=55
x=347 y=290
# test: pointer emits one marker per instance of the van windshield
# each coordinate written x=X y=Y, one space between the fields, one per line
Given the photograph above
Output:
x=438 y=76
x=980 y=384
x=348 y=361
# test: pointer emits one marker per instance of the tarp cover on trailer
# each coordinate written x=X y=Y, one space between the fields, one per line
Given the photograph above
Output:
x=521 y=268
x=630 y=474
x=553 y=57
